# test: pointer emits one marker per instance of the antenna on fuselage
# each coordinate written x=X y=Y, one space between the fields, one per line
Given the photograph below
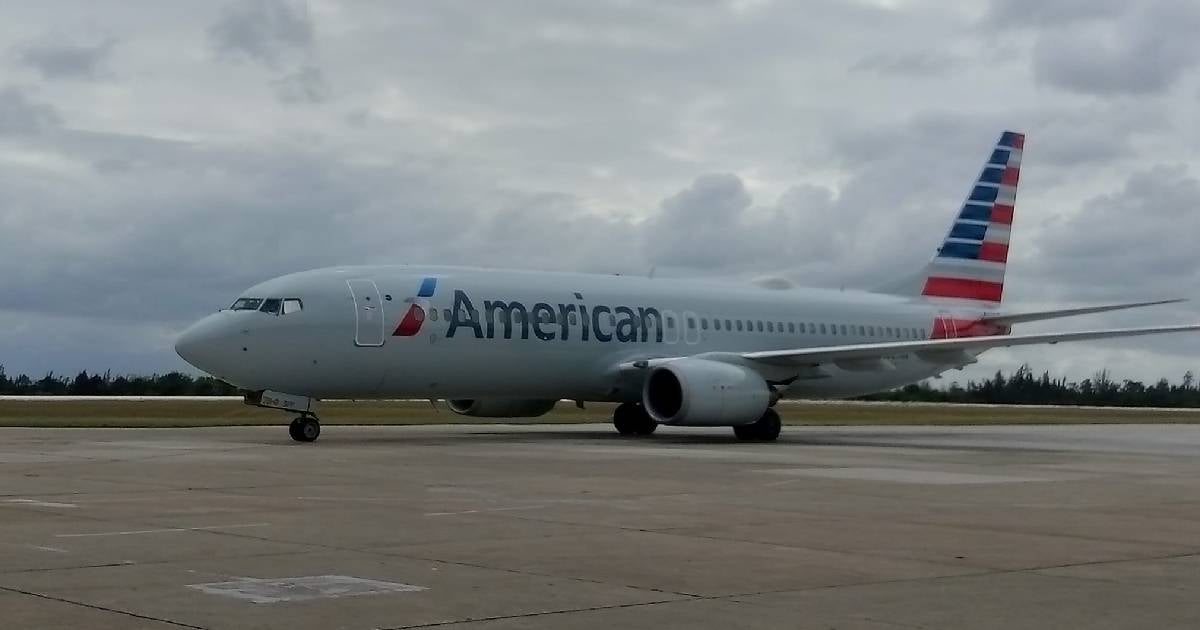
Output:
x=651 y=274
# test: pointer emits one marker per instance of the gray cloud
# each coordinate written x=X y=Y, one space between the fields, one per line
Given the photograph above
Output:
x=55 y=60
x=921 y=63
x=266 y=31
x=305 y=85
x=1145 y=50
x=20 y=115
x=1144 y=230
x=1050 y=13
x=700 y=139
x=279 y=35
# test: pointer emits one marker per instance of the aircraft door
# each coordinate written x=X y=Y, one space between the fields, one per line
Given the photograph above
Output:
x=368 y=313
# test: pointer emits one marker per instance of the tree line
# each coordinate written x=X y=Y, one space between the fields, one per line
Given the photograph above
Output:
x=85 y=384
x=1023 y=388
x=1019 y=388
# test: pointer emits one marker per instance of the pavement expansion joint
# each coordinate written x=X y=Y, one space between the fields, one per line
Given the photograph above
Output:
x=101 y=608
x=544 y=613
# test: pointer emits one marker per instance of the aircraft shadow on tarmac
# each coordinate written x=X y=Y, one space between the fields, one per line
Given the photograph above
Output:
x=938 y=441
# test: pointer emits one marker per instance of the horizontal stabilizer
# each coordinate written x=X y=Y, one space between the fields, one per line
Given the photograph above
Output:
x=1005 y=319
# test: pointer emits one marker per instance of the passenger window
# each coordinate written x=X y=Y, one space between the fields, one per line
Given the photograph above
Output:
x=862 y=331
x=704 y=323
x=728 y=325
x=739 y=324
x=691 y=323
x=446 y=314
x=271 y=305
x=292 y=305
x=779 y=326
x=889 y=331
x=871 y=330
x=759 y=327
x=770 y=327
x=716 y=324
x=843 y=327
x=792 y=328
x=922 y=333
x=822 y=329
x=612 y=319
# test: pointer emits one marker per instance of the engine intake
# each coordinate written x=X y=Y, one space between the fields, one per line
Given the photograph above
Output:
x=700 y=392
x=501 y=407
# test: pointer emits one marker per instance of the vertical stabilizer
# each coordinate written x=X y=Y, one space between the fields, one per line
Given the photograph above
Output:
x=971 y=261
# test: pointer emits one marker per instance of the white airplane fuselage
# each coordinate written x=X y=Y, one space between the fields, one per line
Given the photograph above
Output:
x=504 y=343
x=343 y=342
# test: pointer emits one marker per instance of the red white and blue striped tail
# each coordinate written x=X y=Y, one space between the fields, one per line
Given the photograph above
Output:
x=970 y=263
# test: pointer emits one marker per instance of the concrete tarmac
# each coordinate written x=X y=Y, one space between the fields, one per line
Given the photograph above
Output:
x=490 y=527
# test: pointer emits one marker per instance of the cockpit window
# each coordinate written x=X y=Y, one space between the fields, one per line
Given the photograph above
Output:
x=292 y=305
x=247 y=304
x=271 y=305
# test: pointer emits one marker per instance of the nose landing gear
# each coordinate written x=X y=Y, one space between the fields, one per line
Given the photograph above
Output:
x=305 y=429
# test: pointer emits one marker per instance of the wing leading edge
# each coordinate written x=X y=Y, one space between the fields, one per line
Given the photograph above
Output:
x=1037 y=316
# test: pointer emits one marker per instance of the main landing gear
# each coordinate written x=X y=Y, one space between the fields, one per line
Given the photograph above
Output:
x=305 y=429
x=765 y=429
x=632 y=419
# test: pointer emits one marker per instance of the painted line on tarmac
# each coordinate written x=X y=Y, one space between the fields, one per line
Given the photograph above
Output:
x=503 y=509
x=36 y=503
x=46 y=548
x=163 y=530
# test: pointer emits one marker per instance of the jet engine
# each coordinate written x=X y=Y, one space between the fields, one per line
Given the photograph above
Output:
x=501 y=407
x=700 y=392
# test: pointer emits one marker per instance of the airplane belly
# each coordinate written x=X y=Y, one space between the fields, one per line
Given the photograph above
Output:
x=469 y=368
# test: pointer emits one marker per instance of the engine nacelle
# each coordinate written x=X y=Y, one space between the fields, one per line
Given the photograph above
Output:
x=699 y=392
x=501 y=407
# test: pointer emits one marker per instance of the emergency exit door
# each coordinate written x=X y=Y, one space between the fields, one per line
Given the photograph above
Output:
x=368 y=313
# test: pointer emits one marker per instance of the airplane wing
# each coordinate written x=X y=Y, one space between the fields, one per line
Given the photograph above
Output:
x=1005 y=319
x=932 y=349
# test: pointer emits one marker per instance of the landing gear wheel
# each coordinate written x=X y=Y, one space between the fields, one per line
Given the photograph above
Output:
x=632 y=419
x=305 y=429
x=765 y=429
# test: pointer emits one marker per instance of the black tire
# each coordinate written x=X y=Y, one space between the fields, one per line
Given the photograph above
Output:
x=765 y=429
x=625 y=418
x=305 y=429
x=646 y=425
x=769 y=426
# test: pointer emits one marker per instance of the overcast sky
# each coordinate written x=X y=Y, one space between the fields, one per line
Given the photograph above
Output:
x=157 y=158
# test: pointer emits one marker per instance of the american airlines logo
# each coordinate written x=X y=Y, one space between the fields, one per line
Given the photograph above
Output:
x=550 y=322
x=414 y=317
x=511 y=319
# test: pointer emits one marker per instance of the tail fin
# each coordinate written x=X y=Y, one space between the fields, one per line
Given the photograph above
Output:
x=971 y=261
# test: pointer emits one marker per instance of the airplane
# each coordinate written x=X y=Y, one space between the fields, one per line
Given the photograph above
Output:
x=679 y=352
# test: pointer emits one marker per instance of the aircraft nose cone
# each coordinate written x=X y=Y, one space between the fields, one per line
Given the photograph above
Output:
x=203 y=344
